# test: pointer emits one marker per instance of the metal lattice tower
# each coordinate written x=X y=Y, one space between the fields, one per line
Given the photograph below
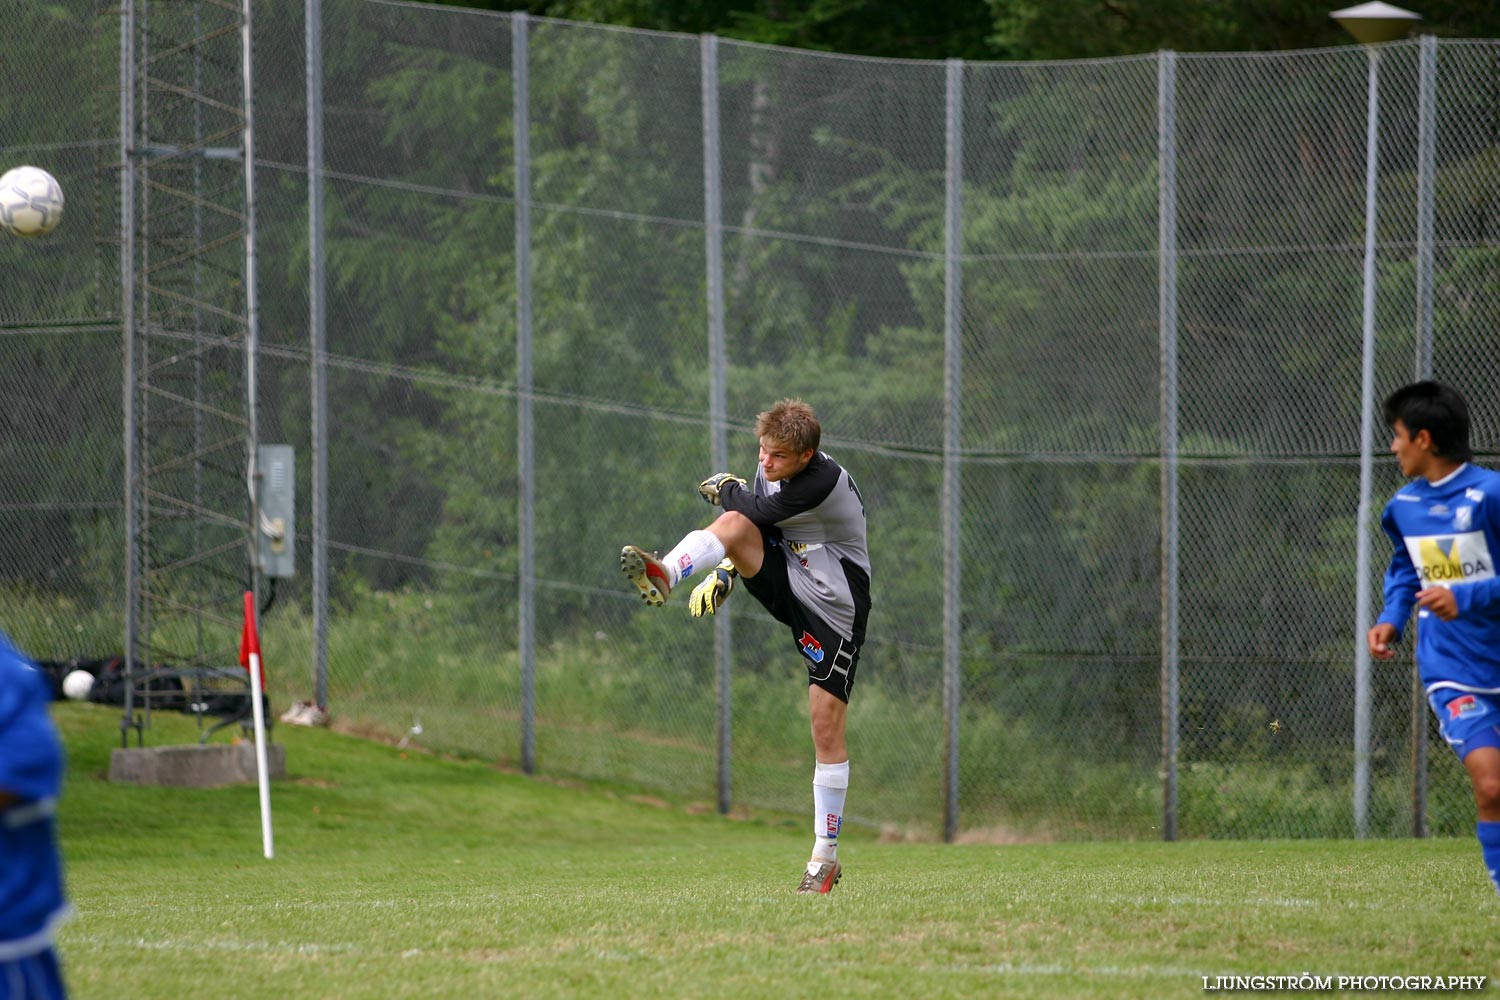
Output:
x=187 y=270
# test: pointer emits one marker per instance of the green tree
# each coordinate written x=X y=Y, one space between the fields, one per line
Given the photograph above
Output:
x=1006 y=29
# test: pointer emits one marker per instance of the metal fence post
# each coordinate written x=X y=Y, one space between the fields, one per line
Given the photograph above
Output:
x=318 y=336
x=1167 y=317
x=713 y=237
x=252 y=304
x=525 y=434
x=128 y=334
x=1362 y=692
x=1426 y=178
x=1426 y=172
x=952 y=439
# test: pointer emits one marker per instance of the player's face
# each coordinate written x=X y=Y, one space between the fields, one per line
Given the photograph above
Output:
x=1414 y=455
x=777 y=461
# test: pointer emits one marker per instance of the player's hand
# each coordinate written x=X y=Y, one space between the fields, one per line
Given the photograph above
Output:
x=1380 y=638
x=1440 y=601
x=710 y=487
x=709 y=595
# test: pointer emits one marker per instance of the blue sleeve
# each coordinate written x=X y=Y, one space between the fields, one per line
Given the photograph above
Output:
x=1483 y=595
x=31 y=762
x=1401 y=580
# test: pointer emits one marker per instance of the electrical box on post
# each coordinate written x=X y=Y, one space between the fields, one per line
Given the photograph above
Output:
x=276 y=497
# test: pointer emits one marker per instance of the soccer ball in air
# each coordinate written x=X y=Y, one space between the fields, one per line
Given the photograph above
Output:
x=77 y=685
x=31 y=201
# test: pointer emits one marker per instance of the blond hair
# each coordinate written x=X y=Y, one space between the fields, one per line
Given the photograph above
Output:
x=791 y=423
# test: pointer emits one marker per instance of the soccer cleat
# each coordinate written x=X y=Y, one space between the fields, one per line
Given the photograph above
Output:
x=821 y=876
x=647 y=573
x=709 y=596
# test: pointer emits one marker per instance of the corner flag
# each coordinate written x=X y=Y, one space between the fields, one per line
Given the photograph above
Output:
x=249 y=640
x=250 y=660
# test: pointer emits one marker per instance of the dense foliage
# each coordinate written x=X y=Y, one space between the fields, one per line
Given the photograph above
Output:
x=1006 y=29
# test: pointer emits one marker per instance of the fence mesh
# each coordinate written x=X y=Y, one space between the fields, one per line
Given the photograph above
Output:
x=833 y=174
x=61 y=569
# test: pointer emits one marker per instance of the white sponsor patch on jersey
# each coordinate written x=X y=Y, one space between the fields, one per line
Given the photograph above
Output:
x=1443 y=560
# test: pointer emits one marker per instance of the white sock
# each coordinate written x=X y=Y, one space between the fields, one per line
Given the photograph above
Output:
x=830 y=786
x=698 y=550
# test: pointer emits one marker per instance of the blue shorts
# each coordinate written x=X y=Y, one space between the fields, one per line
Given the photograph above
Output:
x=35 y=977
x=1467 y=720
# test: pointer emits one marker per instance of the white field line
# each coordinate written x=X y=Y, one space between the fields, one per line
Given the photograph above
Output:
x=187 y=947
x=487 y=902
x=198 y=946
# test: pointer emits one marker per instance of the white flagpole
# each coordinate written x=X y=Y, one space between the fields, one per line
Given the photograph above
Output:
x=261 y=770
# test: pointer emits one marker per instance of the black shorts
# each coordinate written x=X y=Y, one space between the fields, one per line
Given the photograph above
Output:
x=831 y=659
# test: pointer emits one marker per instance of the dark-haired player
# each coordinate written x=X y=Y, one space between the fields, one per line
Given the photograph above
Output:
x=1445 y=526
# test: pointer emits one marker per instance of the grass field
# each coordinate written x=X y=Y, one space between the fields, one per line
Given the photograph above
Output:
x=404 y=874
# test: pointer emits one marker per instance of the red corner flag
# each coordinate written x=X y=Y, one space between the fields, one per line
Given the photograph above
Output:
x=249 y=641
x=251 y=661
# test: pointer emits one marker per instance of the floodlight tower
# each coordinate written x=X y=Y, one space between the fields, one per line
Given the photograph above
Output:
x=1370 y=24
x=187 y=273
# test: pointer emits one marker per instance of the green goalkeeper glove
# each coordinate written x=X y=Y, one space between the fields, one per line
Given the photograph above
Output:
x=711 y=593
x=710 y=487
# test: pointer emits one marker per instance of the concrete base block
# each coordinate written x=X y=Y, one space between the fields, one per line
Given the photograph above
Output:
x=196 y=766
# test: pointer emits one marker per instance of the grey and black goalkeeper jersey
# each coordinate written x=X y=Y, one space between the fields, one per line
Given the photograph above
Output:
x=821 y=516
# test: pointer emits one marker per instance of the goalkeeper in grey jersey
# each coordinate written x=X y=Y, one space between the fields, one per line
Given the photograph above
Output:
x=797 y=540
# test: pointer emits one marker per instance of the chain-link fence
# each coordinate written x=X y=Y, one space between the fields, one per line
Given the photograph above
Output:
x=563 y=266
x=61 y=565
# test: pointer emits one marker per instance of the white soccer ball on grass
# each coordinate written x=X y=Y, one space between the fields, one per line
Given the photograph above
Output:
x=31 y=201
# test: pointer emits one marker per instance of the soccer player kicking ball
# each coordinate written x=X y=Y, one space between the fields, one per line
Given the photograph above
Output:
x=1445 y=525
x=797 y=539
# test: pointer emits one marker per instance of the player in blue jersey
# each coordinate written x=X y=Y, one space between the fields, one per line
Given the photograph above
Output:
x=1445 y=526
x=31 y=889
x=796 y=537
